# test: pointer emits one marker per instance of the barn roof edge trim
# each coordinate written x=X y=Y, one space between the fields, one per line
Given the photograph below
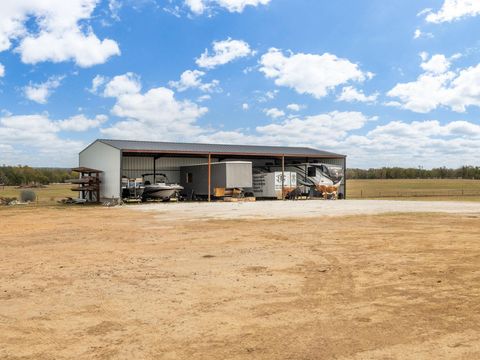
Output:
x=137 y=146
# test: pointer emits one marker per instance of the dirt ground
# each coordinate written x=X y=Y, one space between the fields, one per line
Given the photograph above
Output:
x=194 y=211
x=112 y=283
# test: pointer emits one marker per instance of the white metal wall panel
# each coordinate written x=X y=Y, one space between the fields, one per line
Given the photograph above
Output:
x=107 y=159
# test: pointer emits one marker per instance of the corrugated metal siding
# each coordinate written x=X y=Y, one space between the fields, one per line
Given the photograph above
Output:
x=136 y=163
x=338 y=162
x=135 y=166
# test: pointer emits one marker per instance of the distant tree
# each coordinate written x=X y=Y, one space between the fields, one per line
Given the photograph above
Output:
x=20 y=175
x=465 y=172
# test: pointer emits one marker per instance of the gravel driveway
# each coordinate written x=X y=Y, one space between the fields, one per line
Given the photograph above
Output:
x=302 y=209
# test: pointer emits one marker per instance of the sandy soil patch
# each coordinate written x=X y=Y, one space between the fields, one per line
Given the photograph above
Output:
x=98 y=283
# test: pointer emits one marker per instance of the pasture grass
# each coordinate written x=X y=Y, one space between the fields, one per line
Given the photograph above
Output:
x=45 y=196
x=415 y=189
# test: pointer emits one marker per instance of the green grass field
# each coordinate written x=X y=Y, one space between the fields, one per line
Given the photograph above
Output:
x=460 y=190
x=416 y=189
x=45 y=196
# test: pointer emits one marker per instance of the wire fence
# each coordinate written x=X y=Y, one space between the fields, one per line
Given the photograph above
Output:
x=368 y=194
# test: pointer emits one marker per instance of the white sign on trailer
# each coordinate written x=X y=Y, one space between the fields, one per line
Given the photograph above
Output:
x=269 y=185
x=290 y=180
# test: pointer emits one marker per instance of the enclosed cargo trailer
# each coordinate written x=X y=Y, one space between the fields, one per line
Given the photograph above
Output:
x=226 y=175
x=269 y=185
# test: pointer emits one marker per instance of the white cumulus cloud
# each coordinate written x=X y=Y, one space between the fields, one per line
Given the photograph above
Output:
x=81 y=123
x=154 y=114
x=196 y=6
x=294 y=107
x=429 y=142
x=310 y=73
x=316 y=130
x=192 y=79
x=452 y=10
x=60 y=33
x=274 y=113
x=350 y=94
x=97 y=82
x=41 y=92
x=128 y=83
x=39 y=134
x=2 y=70
x=239 y=5
x=200 y=6
x=439 y=86
x=437 y=64
x=323 y=131
x=224 y=52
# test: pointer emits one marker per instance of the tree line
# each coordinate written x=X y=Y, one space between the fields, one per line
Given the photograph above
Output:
x=24 y=175
x=464 y=172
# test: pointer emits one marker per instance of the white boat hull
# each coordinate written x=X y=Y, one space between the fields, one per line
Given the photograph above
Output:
x=161 y=191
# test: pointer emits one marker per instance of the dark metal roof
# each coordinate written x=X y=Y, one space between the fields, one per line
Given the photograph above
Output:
x=192 y=148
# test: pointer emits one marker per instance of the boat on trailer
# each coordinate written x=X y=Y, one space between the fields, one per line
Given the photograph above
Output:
x=162 y=190
x=132 y=188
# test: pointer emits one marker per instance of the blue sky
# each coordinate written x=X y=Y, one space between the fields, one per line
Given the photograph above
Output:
x=392 y=83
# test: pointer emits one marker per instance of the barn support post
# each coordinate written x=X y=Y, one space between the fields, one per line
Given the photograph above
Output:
x=209 y=176
x=90 y=193
x=154 y=170
x=283 y=177
x=83 y=193
x=307 y=160
x=345 y=177
x=97 y=180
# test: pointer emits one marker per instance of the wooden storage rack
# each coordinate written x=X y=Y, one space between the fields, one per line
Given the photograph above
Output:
x=88 y=184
